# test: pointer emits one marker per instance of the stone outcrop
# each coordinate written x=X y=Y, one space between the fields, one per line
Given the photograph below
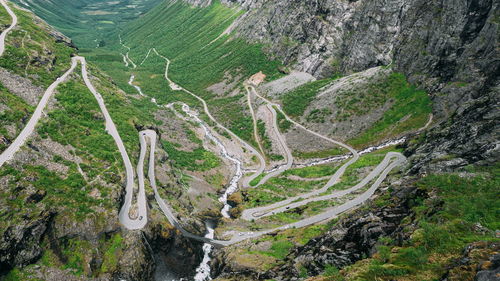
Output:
x=450 y=49
x=480 y=262
x=20 y=243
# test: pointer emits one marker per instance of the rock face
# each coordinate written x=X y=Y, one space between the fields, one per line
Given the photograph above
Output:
x=179 y=254
x=20 y=244
x=354 y=237
x=322 y=37
x=21 y=87
x=480 y=261
x=458 y=63
x=449 y=49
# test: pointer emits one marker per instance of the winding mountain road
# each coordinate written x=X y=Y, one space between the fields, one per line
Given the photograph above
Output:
x=262 y=163
x=21 y=139
x=7 y=30
x=281 y=206
x=391 y=161
x=124 y=216
x=254 y=120
x=314 y=196
x=288 y=153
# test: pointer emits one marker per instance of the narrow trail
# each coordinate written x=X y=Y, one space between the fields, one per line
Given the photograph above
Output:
x=7 y=30
x=146 y=57
x=255 y=129
x=126 y=56
x=228 y=29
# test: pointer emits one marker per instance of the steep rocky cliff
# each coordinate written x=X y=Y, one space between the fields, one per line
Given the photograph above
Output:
x=449 y=48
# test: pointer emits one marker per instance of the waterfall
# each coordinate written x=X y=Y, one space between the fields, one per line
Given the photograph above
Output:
x=203 y=271
x=233 y=184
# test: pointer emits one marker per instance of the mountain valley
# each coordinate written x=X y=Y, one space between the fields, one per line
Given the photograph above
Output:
x=283 y=140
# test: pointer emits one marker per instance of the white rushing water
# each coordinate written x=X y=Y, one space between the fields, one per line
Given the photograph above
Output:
x=131 y=81
x=324 y=161
x=344 y=157
x=233 y=184
x=203 y=271
x=384 y=145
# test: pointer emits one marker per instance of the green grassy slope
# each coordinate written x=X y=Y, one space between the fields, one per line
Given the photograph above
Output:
x=48 y=180
x=408 y=110
x=444 y=226
x=15 y=110
x=5 y=19
x=183 y=34
x=33 y=53
x=87 y=22
x=186 y=36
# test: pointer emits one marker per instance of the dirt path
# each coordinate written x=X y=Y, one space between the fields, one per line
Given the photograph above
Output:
x=255 y=129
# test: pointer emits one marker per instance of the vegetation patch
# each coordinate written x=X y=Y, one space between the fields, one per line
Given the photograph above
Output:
x=283 y=124
x=296 y=101
x=277 y=189
x=445 y=227
x=320 y=154
x=32 y=52
x=317 y=171
x=114 y=246
x=410 y=110
x=197 y=160
x=17 y=110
